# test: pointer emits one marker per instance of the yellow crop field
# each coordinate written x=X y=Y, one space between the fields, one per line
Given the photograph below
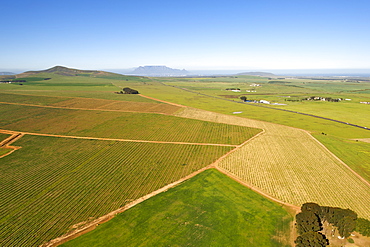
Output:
x=292 y=166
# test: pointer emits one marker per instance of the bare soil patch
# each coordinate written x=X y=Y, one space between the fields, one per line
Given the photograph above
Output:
x=363 y=140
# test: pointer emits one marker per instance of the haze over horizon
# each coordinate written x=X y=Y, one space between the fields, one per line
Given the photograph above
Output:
x=192 y=35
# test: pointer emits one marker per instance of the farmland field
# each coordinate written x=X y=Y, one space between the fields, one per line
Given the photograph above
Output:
x=209 y=209
x=123 y=125
x=3 y=136
x=87 y=103
x=52 y=183
x=351 y=111
x=76 y=86
x=290 y=165
x=4 y=151
x=353 y=152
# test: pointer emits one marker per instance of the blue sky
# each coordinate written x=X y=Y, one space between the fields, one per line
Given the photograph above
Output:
x=248 y=35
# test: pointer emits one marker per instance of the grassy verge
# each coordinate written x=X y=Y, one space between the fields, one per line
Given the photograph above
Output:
x=208 y=210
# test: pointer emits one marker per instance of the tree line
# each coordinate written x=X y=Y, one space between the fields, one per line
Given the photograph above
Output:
x=128 y=90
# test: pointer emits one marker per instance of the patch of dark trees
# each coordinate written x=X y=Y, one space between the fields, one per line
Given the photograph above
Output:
x=45 y=79
x=310 y=220
x=18 y=80
x=229 y=89
x=363 y=227
x=127 y=90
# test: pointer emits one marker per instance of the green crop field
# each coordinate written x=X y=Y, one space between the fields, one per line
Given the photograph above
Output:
x=52 y=183
x=3 y=136
x=122 y=125
x=353 y=152
x=352 y=111
x=100 y=87
x=132 y=105
x=4 y=151
x=207 y=210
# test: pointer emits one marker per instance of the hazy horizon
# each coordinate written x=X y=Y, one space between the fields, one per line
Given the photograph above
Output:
x=285 y=72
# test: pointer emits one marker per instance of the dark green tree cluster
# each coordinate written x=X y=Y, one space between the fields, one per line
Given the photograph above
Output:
x=128 y=90
x=363 y=226
x=343 y=219
x=309 y=223
x=311 y=239
x=243 y=98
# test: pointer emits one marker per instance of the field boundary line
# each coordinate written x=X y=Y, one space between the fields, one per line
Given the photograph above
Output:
x=257 y=190
x=214 y=164
x=124 y=140
x=340 y=161
x=163 y=101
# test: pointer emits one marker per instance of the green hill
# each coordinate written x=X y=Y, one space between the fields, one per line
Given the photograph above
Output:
x=60 y=70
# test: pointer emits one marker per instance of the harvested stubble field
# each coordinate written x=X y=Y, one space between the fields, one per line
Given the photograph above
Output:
x=120 y=125
x=52 y=183
x=291 y=165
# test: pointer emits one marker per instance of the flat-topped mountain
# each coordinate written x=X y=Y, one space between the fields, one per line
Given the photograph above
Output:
x=159 y=71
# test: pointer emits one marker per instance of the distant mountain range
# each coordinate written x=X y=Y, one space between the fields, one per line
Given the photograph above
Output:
x=6 y=73
x=264 y=74
x=158 y=71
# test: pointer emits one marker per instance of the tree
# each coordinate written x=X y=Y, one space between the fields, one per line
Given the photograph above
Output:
x=363 y=226
x=347 y=225
x=128 y=90
x=243 y=98
x=307 y=221
x=312 y=207
x=311 y=239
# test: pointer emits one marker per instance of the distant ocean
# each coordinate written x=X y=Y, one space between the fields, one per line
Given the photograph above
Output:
x=286 y=72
